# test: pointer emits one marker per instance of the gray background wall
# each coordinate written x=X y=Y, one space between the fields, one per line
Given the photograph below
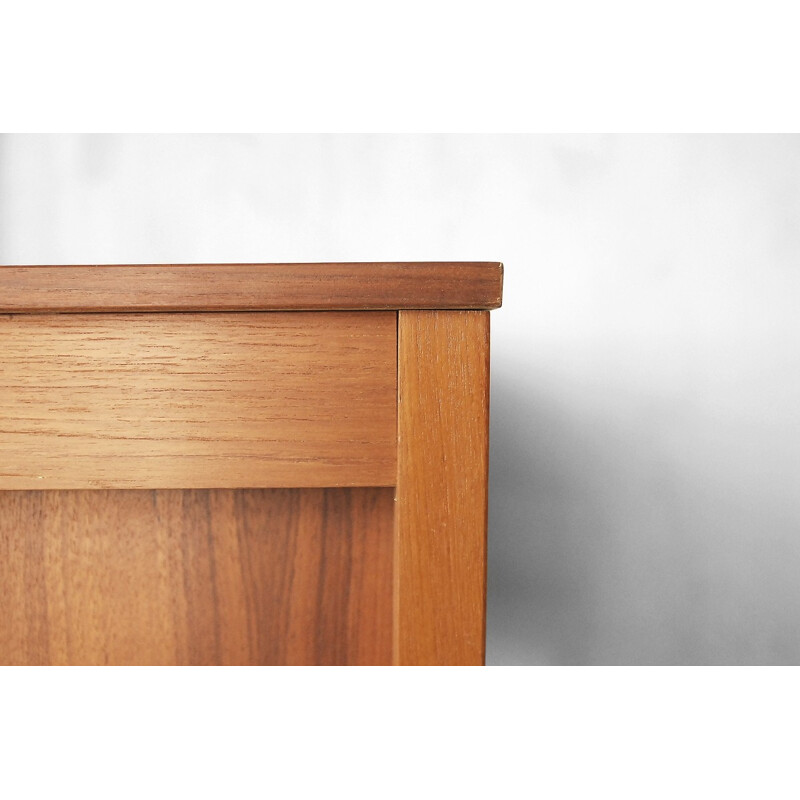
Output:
x=646 y=362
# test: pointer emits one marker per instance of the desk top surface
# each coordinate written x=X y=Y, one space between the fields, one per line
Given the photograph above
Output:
x=251 y=287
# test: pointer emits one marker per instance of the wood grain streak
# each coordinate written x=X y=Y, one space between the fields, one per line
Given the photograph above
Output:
x=197 y=400
x=196 y=577
x=250 y=287
x=441 y=495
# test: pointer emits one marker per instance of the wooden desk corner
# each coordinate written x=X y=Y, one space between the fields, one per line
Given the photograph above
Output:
x=244 y=463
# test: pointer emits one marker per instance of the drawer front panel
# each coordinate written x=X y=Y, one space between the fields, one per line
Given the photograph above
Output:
x=198 y=400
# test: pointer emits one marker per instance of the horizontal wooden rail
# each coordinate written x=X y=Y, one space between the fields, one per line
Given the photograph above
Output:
x=196 y=401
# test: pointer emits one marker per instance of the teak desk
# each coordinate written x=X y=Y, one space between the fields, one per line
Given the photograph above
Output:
x=244 y=463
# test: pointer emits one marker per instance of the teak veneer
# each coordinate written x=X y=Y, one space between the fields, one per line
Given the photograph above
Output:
x=244 y=463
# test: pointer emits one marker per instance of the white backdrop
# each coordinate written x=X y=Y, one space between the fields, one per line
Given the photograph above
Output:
x=646 y=363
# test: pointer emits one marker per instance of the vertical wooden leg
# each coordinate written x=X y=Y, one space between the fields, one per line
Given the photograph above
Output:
x=441 y=502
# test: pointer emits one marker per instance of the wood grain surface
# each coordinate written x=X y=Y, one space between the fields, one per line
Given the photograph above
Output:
x=197 y=400
x=251 y=287
x=196 y=577
x=441 y=495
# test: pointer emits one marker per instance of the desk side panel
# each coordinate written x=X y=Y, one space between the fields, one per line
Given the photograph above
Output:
x=283 y=576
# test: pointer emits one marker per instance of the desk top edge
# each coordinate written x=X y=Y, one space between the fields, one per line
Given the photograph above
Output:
x=343 y=286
